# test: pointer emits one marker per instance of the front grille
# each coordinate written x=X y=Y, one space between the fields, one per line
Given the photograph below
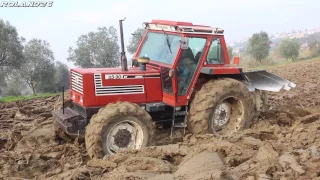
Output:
x=77 y=83
x=115 y=90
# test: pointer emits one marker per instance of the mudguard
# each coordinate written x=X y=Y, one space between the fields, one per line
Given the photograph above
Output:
x=263 y=80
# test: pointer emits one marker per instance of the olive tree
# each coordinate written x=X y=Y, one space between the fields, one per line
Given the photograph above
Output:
x=11 y=48
x=289 y=48
x=259 y=45
x=38 y=66
x=96 y=49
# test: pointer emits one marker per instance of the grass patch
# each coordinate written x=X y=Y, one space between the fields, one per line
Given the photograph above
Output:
x=17 y=98
x=282 y=63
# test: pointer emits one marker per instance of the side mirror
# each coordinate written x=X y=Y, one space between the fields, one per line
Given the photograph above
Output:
x=184 y=43
x=171 y=73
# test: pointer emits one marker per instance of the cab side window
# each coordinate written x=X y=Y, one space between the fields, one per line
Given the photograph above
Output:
x=188 y=63
x=215 y=54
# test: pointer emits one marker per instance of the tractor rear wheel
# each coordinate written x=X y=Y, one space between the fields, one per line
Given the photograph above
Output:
x=221 y=106
x=118 y=126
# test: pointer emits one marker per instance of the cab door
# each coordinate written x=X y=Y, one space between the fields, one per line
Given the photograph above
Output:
x=177 y=81
x=187 y=67
x=168 y=80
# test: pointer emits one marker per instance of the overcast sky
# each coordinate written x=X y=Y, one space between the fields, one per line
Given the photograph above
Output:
x=66 y=20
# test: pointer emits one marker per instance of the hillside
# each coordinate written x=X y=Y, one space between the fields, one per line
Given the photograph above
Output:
x=304 y=37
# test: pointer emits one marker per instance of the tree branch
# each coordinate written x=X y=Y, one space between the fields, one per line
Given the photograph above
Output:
x=3 y=56
x=28 y=83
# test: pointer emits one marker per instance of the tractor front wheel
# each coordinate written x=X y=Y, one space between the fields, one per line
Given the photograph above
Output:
x=221 y=106
x=118 y=126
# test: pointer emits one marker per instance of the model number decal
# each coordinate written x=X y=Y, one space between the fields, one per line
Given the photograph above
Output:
x=115 y=76
x=121 y=76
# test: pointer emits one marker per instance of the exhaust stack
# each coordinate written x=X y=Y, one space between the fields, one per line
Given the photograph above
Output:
x=124 y=66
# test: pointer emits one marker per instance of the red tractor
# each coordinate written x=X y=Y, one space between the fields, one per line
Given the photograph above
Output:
x=181 y=73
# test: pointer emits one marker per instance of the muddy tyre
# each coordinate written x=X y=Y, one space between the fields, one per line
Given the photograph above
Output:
x=59 y=133
x=221 y=106
x=118 y=126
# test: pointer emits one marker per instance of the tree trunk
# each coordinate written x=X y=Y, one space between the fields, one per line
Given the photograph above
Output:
x=292 y=58
x=34 y=91
x=33 y=87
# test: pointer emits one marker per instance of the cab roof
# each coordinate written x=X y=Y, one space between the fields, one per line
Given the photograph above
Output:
x=182 y=27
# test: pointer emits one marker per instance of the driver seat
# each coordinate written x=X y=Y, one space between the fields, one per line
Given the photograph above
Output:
x=187 y=53
x=197 y=57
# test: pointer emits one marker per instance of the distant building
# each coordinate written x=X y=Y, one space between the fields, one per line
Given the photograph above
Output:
x=304 y=46
x=236 y=50
x=240 y=44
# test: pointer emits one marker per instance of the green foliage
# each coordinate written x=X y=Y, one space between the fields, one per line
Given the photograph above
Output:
x=248 y=62
x=46 y=83
x=58 y=76
x=10 y=45
x=282 y=63
x=289 y=48
x=215 y=50
x=61 y=76
x=259 y=45
x=38 y=67
x=135 y=39
x=30 y=66
x=14 y=86
x=17 y=98
x=96 y=49
x=314 y=47
x=10 y=50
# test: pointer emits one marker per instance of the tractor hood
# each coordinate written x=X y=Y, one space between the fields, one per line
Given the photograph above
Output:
x=94 y=87
x=117 y=71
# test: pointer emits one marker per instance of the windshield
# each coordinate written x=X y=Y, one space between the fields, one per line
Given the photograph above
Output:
x=158 y=49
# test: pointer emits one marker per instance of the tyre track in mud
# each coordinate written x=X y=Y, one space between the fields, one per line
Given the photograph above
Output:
x=283 y=144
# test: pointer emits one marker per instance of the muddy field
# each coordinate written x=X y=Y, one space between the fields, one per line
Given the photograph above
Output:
x=284 y=144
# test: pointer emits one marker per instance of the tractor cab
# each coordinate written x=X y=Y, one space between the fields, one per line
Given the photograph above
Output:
x=180 y=50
